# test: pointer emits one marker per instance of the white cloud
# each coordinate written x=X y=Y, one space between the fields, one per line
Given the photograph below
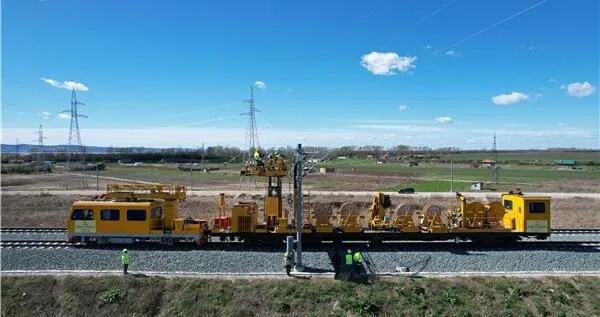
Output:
x=20 y=113
x=561 y=124
x=580 y=89
x=507 y=99
x=260 y=84
x=552 y=80
x=402 y=108
x=45 y=115
x=64 y=116
x=70 y=85
x=428 y=47
x=386 y=63
x=451 y=53
x=444 y=120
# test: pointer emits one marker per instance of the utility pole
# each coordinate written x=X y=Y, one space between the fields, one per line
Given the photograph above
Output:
x=451 y=176
x=191 y=177
x=495 y=168
x=74 y=132
x=298 y=173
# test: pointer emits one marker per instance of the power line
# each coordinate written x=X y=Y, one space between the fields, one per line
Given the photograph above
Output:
x=434 y=13
x=493 y=26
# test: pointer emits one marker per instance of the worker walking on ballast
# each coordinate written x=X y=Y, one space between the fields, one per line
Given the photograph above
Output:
x=125 y=260
x=358 y=259
x=348 y=261
x=288 y=261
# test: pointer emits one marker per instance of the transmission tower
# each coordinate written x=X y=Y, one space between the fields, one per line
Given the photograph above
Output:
x=40 y=149
x=76 y=150
x=252 y=142
x=251 y=132
x=496 y=166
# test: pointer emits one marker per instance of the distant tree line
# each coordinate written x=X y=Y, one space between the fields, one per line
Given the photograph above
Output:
x=221 y=154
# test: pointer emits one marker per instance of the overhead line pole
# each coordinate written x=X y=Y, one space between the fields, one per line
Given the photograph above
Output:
x=298 y=173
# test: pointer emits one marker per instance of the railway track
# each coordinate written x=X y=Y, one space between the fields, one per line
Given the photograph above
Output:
x=32 y=230
x=46 y=230
x=44 y=244
x=36 y=244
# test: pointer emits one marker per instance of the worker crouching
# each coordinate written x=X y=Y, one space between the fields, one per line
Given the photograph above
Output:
x=125 y=260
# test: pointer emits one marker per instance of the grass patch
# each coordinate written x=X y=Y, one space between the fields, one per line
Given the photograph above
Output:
x=131 y=296
x=431 y=186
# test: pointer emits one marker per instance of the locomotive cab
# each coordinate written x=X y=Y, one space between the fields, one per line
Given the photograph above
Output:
x=526 y=214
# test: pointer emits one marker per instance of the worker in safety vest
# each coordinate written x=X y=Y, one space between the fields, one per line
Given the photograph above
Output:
x=258 y=158
x=288 y=259
x=348 y=261
x=125 y=260
x=358 y=259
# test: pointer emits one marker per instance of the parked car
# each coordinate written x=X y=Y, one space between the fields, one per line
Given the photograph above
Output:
x=407 y=190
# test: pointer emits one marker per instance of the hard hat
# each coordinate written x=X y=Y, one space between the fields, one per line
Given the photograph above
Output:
x=124 y=250
x=349 y=251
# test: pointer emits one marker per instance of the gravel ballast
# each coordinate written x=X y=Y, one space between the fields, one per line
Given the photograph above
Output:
x=417 y=257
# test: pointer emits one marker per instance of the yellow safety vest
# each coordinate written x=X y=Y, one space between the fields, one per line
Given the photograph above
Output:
x=358 y=257
x=348 y=259
x=125 y=258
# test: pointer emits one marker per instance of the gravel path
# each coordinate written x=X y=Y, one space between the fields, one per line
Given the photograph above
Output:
x=418 y=257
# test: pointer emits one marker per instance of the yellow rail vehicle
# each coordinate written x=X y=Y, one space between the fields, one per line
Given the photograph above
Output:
x=129 y=213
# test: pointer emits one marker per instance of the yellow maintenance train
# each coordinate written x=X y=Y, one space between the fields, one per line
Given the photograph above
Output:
x=133 y=213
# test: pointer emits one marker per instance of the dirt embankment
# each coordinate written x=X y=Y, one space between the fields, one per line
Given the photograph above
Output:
x=154 y=296
x=43 y=210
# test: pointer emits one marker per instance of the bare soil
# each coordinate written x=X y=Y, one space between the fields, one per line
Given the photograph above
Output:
x=43 y=210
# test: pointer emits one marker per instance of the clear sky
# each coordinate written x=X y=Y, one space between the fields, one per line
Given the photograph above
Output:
x=429 y=73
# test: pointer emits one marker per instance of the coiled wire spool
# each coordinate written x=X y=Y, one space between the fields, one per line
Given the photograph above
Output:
x=495 y=213
x=431 y=215
x=473 y=215
x=403 y=215
x=406 y=209
x=322 y=212
x=349 y=212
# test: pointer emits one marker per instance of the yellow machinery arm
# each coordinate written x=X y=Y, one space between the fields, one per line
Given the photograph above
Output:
x=378 y=207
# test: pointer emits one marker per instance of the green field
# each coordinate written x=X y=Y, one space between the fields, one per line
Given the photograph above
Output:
x=544 y=157
x=365 y=174
x=153 y=296
x=436 y=177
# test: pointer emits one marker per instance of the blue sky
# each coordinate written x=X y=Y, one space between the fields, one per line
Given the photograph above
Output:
x=428 y=73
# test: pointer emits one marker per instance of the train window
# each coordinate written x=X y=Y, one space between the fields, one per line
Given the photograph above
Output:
x=82 y=214
x=109 y=214
x=156 y=212
x=537 y=207
x=136 y=215
x=508 y=204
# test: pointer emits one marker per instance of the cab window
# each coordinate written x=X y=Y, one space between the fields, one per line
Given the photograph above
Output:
x=508 y=204
x=156 y=212
x=82 y=214
x=136 y=215
x=109 y=214
x=536 y=207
